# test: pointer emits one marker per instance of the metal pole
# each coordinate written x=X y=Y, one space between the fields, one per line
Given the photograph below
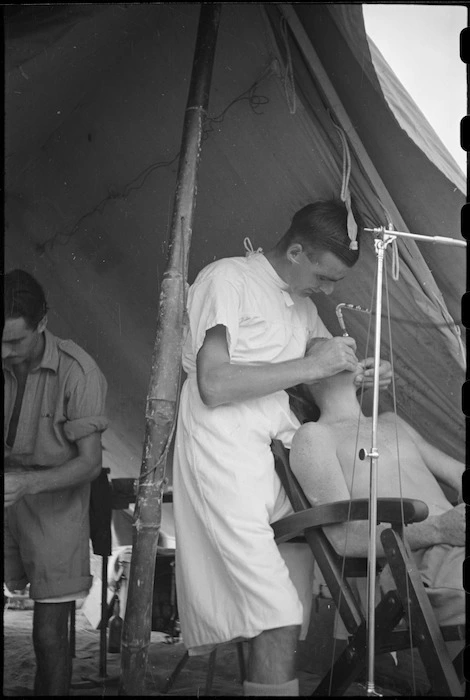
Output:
x=166 y=366
x=420 y=237
x=374 y=457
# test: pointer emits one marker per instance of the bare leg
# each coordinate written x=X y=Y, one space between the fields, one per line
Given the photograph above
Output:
x=51 y=646
x=272 y=658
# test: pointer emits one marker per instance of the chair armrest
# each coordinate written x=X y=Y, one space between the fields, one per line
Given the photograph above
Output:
x=389 y=510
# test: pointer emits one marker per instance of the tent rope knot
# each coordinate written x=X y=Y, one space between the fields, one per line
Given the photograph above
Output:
x=345 y=193
x=249 y=247
x=288 y=77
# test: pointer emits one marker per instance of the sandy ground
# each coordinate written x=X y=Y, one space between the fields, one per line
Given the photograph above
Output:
x=19 y=662
x=314 y=657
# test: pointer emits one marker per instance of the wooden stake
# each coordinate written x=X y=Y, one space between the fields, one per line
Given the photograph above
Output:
x=165 y=373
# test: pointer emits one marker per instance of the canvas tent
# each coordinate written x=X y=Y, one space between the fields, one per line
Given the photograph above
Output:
x=94 y=102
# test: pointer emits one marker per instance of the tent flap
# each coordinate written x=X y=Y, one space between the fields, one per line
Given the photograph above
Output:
x=95 y=99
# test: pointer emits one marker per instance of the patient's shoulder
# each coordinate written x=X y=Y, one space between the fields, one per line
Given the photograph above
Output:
x=315 y=432
x=314 y=446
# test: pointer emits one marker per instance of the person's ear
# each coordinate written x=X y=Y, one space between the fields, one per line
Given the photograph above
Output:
x=293 y=253
x=42 y=324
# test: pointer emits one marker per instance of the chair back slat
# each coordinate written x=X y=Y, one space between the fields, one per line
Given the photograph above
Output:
x=291 y=486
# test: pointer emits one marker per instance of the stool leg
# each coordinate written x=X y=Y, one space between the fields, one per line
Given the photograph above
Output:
x=181 y=664
x=241 y=662
x=72 y=630
x=210 y=672
x=104 y=624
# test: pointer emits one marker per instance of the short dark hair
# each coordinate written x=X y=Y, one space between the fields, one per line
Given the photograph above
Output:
x=322 y=226
x=24 y=298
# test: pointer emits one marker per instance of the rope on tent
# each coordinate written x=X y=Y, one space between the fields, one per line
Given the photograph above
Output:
x=255 y=101
x=346 y=198
x=249 y=247
x=345 y=193
x=288 y=77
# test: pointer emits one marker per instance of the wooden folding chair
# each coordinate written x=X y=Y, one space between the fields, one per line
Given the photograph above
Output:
x=409 y=602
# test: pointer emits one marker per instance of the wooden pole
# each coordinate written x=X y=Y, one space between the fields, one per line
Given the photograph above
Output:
x=165 y=373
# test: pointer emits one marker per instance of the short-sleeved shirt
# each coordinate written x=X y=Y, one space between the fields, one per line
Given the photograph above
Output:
x=47 y=534
x=261 y=327
x=64 y=400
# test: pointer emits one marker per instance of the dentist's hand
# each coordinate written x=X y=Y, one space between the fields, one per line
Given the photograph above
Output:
x=332 y=355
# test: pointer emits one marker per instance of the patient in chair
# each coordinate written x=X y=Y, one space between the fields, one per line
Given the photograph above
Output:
x=324 y=459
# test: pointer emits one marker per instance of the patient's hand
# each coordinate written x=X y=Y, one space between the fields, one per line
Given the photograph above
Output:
x=451 y=525
x=366 y=377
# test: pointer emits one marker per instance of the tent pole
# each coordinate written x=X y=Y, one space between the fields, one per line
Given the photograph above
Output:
x=165 y=372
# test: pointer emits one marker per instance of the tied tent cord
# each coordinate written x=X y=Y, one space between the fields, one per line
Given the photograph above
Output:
x=395 y=256
x=249 y=247
x=345 y=193
x=288 y=77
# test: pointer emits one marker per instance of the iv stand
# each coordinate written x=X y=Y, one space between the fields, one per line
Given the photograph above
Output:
x=388 y=236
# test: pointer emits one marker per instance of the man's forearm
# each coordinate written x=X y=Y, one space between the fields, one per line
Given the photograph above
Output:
x=72 y=473
x=24 y=482
x=239 y=382
x=424 y=534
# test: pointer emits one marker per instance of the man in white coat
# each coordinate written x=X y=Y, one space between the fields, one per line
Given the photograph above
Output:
x=254 y=332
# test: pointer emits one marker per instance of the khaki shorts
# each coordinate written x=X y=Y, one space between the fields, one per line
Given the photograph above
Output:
x=47 y=544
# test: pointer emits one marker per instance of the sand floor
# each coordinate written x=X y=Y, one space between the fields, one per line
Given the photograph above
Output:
x=163 y=657
x=314 y=658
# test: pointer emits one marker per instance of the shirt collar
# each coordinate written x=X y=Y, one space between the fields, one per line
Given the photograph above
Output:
x=272 y=274
x=269 y=270
x=50 y=358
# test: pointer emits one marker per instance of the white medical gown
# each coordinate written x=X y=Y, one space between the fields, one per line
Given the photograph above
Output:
x=232 y=581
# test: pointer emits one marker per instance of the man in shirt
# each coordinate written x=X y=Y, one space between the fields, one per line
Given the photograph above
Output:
x=253 y=333
x=54 y=416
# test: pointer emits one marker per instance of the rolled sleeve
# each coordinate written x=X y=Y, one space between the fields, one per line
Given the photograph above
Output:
x=212 y=302
x=82 y=427
x=86 y=405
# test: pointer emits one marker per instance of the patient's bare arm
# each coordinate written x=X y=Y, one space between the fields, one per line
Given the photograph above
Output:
x=444 y=468
x=315 y=463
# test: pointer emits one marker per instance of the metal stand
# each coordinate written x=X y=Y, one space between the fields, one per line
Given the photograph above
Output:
x=210 y=670
x=102 y=679
x=388 y=236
